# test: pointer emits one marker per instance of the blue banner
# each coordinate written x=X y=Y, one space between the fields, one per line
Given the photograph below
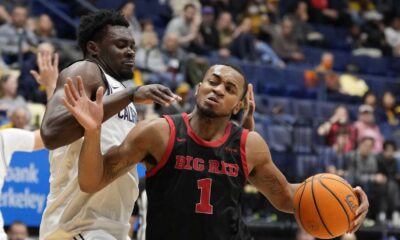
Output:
x=26 y=187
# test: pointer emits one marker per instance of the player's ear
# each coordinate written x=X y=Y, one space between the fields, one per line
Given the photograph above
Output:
x=197 y=88
x=237 y=108
x=92 y=48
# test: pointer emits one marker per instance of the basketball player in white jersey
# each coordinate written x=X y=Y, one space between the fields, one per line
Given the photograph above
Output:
x=18 y=140
x=108 y=49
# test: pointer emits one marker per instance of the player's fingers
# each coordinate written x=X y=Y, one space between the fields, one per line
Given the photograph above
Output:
x=72 y=89
x=363 y=200
x=68 y=105
x=55 y=62
x=170 y=94
x=159 y=100
x=250 y=91
x=47 y=60
x=71 y=99
x=161 y=95
x=99 y=95
x=39 y=61
x=35 y=75
x=81 y=87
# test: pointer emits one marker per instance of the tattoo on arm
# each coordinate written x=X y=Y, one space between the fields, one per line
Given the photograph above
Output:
x=272 y=183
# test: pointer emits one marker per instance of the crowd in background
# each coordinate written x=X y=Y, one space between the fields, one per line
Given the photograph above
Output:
x=264 y=32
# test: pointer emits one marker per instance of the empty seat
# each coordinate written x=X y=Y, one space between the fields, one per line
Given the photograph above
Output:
x=279 y=138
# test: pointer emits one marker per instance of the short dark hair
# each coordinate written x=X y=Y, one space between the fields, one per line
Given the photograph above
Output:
x=93 y=26
x=189 y=5
x=388 y=143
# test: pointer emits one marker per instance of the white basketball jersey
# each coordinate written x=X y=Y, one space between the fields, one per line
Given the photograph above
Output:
x=70 y=211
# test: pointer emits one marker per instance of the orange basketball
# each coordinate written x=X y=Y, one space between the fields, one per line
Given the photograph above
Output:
x=325 y=205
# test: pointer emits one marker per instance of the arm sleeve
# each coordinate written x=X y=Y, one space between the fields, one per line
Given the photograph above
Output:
x=15 y=140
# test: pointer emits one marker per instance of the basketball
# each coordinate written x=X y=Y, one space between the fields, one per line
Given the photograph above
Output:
x=325 y=205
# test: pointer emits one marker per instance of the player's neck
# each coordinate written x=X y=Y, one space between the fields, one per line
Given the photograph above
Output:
x=105 y=67
x=208 y=128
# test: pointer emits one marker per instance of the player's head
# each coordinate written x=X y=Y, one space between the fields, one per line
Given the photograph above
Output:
x=221 y=92
x=17 y=231
x=104 y=36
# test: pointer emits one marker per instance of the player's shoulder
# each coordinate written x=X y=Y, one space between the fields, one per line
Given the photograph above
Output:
x=88 y=70
x=156 y=125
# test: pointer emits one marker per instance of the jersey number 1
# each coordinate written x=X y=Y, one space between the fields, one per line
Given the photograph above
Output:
x=204 y=205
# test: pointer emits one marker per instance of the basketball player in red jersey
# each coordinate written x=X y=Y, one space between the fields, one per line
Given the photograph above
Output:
x=196 y=164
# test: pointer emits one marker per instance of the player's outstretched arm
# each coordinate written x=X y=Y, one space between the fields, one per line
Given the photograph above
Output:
x=97 y=170
x=266 y=177
x=60 y=128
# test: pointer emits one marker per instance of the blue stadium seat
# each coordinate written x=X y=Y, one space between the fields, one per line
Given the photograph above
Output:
x=279 y=138
x=325 y=109
x=307 y=165
x=303 y=139
x=304 y=109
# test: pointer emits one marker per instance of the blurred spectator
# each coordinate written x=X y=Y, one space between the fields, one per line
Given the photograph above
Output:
x=335 y=157
x=390 y=112
x=303 y=235
x=128 y=10
x=184 y=105
x=387 y=165
x=339 y=121
x=18 y=231
x=4 y=16
x=370 y=99
x=392 y=34
x=15 y=37
x=186 y=27
x=257 y=12
x=329 y=12
x=350 y=83
x=367 y=128
x=174 y=56
x=148 y=56
x=152 y=63
x=243 y=45
x=9 y=99
x=325 y=71
x=285 y=45
x=326 y=63
x=19 y=118
x=233 y=7
x=349 y=236
x=273 y=11
x=302 y=30
x=208 y=30
x=376 y=41
x=45 y=27
x=179 y=6
x=225 y=27
x=357 y=9
x=363 y=171
x=356 y=38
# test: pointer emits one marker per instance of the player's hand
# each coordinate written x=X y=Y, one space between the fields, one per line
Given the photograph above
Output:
x=361 y=211
x=48 y=71
x=249 y=108
x=155 y=93
x=88 y=113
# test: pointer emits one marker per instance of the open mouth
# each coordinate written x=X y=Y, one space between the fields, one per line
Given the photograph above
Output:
x=212 y=100
x=130 y=63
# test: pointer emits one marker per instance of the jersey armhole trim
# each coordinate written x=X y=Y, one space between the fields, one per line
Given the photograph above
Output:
x=168 y=151
x=243 y=140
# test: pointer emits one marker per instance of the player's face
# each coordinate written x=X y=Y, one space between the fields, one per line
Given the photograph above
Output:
x=220 y=93
x=117 y=51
